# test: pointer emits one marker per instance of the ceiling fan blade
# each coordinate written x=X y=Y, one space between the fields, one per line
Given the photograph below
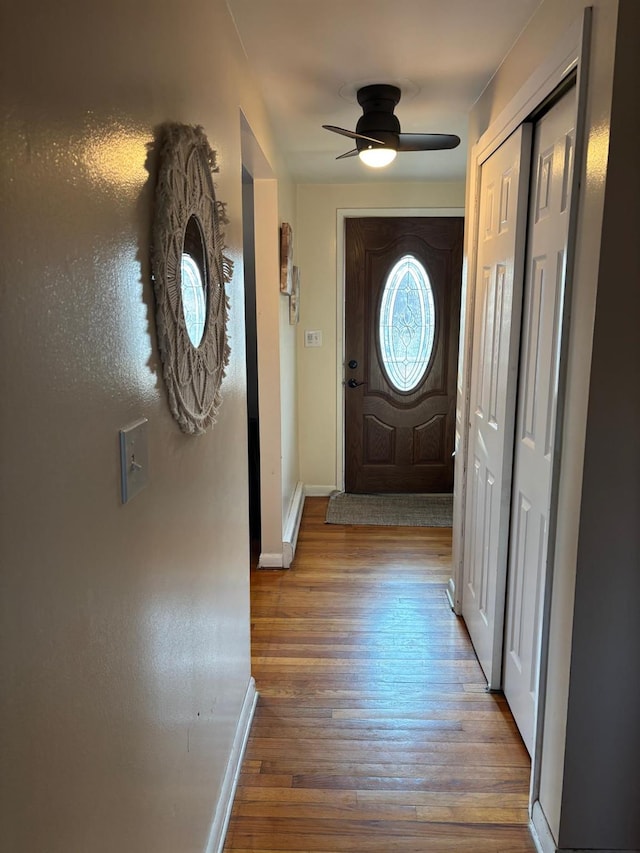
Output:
x=352 y=153
x=351 y=133
x=427 y=141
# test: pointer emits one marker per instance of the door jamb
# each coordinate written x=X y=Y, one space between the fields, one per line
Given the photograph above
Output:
x=265 y=200
x=342 y=215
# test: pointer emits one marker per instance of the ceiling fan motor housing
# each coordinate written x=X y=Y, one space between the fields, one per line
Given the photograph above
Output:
x=378 y=128
x=378 y=120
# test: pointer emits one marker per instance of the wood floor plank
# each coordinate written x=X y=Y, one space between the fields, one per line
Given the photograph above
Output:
x=372 y=836
x=374 y=730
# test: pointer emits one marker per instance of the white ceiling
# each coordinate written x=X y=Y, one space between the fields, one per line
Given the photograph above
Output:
x=310 y=57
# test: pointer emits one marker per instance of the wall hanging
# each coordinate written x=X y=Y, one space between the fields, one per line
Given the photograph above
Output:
x=294 y=297
x=286 y=258
x=189 y=275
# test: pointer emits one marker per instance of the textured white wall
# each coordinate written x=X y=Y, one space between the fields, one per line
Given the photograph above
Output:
x=318 y=207
x=125 y=629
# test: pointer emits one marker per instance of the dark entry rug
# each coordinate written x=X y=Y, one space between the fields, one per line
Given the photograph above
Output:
x=402 y=510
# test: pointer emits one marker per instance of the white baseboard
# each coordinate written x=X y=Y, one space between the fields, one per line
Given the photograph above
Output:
x=319 y=491
x=292 y=525
x=270 y=561
x=451 y=594
x=232 y=772
x=542 y=836
x=288 y=553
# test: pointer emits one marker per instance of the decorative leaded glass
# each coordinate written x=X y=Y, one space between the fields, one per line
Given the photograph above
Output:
x=407 y=324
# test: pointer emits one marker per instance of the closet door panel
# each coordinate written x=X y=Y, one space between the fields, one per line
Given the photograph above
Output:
x=496 y=335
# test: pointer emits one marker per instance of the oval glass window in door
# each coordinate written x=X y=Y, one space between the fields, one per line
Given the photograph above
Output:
x=407 y=324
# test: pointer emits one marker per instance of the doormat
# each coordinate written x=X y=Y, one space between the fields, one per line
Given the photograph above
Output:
x=387 y=510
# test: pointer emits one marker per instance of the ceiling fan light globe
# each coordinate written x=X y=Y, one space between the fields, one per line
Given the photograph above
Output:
x=377 y=157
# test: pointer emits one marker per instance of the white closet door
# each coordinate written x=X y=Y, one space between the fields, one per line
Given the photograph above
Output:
x=553 y=149
x=498 y=303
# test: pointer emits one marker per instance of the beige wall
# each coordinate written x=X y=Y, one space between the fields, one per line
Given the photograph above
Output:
x=316 y=241
x=125 y=629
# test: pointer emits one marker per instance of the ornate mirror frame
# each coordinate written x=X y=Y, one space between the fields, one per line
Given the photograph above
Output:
x=187 y=227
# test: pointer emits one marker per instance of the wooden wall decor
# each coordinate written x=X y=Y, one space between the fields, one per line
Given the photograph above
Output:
x=286 y=258
x=294 y=298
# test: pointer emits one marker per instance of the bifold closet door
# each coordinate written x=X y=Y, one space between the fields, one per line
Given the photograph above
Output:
x=504 y=183
x=553 y=150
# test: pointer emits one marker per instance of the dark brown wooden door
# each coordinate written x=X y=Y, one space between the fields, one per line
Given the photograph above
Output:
x=397 y=438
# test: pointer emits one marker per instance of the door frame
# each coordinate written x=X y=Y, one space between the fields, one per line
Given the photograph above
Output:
x=570 y=53
x=342 y=215
x=267 y=266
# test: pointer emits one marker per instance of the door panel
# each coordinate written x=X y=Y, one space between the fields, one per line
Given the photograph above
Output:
x=502 y=220
x=537 y=400
x=395 y=440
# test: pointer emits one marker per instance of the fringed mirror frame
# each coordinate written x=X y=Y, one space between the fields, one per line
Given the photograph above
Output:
x=187 y=226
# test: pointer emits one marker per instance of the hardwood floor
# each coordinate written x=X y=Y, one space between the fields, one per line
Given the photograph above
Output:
x=373 y=730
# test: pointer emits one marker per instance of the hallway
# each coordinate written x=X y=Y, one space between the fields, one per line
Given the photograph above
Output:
x=374 y=731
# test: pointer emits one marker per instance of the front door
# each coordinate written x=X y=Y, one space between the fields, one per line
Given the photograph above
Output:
x=402 y=311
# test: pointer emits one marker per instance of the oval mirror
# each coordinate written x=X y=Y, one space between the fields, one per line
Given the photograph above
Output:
x=193 y=281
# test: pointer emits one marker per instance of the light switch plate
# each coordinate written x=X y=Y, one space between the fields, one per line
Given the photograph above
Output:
x=312 y=338
x=134 y=459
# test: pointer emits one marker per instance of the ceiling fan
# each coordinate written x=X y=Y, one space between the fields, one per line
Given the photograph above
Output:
x=378 y=136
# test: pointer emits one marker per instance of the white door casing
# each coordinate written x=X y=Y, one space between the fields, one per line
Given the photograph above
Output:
x=553 y=154
x=504 y=183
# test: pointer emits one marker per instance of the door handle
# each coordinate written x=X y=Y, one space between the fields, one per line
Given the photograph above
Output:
x=353 y=383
